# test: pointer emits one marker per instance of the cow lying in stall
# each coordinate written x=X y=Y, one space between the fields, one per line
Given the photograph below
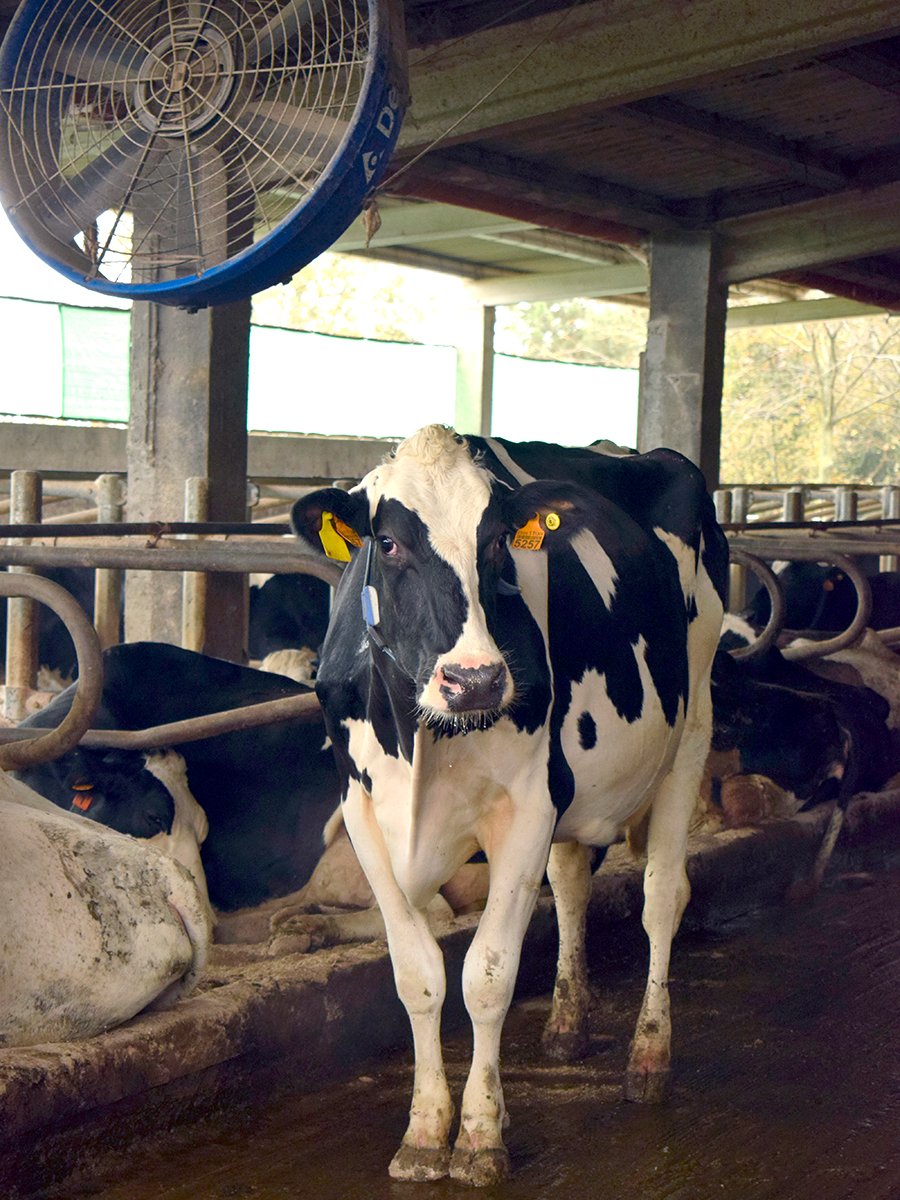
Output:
x=821 y=597
x=788 y=735
x=509 y=701
x=264 y=794
x=249 y=813
x=96 y=926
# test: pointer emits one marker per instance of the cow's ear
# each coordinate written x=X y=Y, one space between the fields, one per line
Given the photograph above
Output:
x=546 y=506
x=332 y=521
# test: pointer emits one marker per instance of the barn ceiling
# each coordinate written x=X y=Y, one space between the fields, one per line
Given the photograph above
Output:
x=570 y=134
x=547 y=142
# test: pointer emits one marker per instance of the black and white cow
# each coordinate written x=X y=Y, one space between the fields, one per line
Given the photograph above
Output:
x=529 y=700
x=265 y=793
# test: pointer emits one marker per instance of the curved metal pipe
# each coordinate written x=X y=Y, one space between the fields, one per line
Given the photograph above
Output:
x=193 y=729
x=769 y=580
x=54 y=742
x=810 y=649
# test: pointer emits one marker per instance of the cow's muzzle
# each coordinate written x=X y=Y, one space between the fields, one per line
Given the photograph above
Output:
x=472 y=689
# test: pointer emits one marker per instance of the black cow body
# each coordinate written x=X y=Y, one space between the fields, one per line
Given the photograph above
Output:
x=288 y=612
x=483 y=698
x=817 y=739
x=822 y=597
x=267 y=793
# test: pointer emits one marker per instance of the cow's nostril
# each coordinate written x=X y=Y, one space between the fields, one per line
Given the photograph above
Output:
x=467 y=688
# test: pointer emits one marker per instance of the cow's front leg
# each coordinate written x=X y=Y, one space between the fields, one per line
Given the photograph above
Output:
x=418 y=965
x=517 y=861
x=566 y=1032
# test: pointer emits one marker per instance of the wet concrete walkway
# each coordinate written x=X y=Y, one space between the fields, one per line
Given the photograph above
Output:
x=786 y=1084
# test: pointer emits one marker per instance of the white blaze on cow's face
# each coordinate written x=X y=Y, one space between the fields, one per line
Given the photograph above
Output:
x=431 y=486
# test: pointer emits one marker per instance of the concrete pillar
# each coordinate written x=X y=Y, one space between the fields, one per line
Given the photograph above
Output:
x=681 y=370
x=475 y=374
x=188 y=418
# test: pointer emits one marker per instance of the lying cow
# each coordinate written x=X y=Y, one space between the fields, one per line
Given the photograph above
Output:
x=265 y=794
x=822 y=597
x=480 y=696
x=96 y=926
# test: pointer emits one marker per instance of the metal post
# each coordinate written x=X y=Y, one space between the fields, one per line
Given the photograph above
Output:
x=845 y=504
x=792 y=504
x=741 y=498
x=722 y=501
x=890 y=510
x=194 y=585
x=108 y=583
x=22 y=614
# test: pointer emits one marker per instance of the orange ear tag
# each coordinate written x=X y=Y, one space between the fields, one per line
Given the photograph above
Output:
x=332 y=542
x=530 y=536
x=348 y=534
x=84 y=796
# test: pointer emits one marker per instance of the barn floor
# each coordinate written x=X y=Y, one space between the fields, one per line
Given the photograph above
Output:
x=785 y=1080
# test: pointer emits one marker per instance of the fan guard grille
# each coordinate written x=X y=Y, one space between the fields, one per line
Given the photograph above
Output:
x=144 y=146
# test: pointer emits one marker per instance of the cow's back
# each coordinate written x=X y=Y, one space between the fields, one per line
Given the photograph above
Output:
x=96 y=925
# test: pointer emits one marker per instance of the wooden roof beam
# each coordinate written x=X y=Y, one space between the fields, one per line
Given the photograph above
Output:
x=413 y=224
x=833 y=228
x=808 y=166
x=608 y=52
x=562 y=285
x=568 y=191
x=877 y=65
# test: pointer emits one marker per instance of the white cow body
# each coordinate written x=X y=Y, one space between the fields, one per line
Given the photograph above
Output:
x=95 y=925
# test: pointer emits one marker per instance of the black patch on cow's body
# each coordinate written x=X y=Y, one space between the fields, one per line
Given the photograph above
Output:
x=661 y=489
x=587 y=731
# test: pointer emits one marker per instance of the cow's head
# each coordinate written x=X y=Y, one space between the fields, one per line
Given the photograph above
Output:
x=112 y=788
x=433 y=543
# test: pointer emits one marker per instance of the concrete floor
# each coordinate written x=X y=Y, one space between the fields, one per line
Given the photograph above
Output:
x=785 y=1084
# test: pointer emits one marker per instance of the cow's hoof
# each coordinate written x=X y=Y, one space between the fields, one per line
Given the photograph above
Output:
x=290 y=943
x=420 y=1164
x=645 y=1086
x=565 y=1045
x=479 y=1168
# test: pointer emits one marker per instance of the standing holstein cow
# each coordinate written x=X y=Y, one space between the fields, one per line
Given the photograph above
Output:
x=482 y=696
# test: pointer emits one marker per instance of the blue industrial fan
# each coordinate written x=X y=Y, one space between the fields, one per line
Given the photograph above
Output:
x=193 y=152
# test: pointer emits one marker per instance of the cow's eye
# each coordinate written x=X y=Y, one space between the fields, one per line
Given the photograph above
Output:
x=388 y=546
x=502 y=542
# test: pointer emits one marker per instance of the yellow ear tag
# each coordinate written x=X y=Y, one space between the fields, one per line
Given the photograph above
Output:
x=551 y=520
x=348 y=534
x=332 y=542
x=530 y=536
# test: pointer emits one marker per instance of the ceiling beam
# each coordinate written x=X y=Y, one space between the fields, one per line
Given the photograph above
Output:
x=562 y=245
x=485 y=174
x=608 y=52
x=854 y=224
x=872 y=66
x=562 y=285
x=802 y=162
x=413 y=224
x=792 y=312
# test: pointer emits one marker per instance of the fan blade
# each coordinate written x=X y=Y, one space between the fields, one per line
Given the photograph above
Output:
x=288 y=140
x=99 y=58
x=285 y=23
x=73 y=203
